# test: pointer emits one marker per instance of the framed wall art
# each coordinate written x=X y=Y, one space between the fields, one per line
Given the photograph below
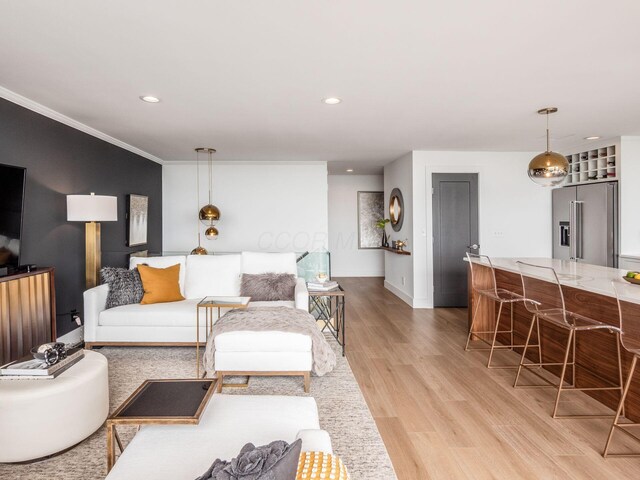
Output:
x=137 y=217
x=370 y=210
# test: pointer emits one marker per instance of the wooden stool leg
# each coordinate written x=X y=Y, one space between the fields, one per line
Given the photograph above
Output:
x=473 y=322
x=307 y=382
x=495 y=335
x=564 y=371
x=620 y=406
x=111 y=454
x=524 y=350
x=220 y=382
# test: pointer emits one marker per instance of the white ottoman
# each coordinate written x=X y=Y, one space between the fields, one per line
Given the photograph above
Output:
x=43 y=417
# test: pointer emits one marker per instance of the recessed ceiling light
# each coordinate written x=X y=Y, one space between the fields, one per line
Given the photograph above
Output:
x=149 y=99
x=595 y=137
x=331 y=100
x=349 y=170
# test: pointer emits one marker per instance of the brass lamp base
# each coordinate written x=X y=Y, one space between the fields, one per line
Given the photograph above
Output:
x=93 y=254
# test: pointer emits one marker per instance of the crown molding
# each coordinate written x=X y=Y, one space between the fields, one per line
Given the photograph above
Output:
x=245 y=162
x=59 y=117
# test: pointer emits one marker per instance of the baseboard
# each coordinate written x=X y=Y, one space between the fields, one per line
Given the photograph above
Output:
x=398 y=293
x=421 y=303
x=73 y=337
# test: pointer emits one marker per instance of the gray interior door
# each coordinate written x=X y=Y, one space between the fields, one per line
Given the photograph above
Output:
x=455 y=231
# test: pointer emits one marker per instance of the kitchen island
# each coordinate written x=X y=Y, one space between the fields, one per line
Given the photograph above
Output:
x=587 y=291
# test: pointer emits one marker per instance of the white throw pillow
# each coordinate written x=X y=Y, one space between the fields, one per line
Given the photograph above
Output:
x=260 y=262
x=212 y=275
x=163 y=262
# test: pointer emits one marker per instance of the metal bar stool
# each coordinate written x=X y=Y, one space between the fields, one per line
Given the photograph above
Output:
x=496 y=294
x=632 y=345
x=545 y=301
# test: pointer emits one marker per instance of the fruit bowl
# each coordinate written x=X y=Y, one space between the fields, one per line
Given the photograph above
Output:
x=632 y=280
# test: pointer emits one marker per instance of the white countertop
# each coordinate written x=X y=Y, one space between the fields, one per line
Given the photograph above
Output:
x=592 y=278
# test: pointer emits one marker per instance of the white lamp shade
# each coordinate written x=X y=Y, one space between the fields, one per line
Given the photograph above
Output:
x=92 y=208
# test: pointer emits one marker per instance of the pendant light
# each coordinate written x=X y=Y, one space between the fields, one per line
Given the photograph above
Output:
x=548 y=169
x=209 y=214
x=199 y=250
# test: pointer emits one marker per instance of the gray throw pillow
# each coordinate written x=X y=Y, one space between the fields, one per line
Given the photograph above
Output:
x=268 y=287
x=276 y=461
x=125 y=286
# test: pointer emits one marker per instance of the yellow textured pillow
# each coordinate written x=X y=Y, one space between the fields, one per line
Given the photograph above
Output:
x=320 y=466
x=160 y=284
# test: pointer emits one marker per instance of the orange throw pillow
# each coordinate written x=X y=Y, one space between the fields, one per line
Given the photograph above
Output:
x=160 y=284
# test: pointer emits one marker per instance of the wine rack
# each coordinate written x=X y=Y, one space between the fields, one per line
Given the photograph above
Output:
x=597 y=165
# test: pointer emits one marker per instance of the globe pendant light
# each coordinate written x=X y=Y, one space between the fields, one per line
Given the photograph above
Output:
x=548 y=169
x=209 y=214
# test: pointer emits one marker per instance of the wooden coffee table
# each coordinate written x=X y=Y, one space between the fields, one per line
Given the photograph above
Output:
x=160 y=402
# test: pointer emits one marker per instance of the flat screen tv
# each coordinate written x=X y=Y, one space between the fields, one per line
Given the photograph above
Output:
x=12 y=181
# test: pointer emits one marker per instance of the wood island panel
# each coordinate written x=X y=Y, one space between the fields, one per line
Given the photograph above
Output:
x=596 y=351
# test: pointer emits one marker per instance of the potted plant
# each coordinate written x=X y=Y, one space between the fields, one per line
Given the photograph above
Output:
x=381 y=224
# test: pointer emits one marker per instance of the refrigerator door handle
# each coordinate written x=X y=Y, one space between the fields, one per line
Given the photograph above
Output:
x=572 y=231
x=578 y=229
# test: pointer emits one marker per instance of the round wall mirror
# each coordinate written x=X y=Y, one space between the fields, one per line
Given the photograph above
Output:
x=396 y=209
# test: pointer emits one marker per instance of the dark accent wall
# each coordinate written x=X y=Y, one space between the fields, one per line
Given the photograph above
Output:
x=61 y=160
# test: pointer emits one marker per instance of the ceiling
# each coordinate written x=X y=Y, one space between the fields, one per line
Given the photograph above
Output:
x=247 y=77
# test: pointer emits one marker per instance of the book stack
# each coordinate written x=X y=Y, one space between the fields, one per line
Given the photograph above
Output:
x=322 y=286
x=29 y=368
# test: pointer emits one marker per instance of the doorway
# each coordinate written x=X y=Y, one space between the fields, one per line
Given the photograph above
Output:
x=455 y=231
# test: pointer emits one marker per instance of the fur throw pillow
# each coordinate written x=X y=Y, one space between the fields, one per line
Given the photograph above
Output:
x=276 y=461
x=268 y=287
x=125 y=286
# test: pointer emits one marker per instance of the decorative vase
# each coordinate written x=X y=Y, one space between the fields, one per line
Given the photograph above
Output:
x=385 y=239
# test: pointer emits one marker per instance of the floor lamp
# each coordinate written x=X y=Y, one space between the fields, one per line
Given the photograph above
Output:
x=92 y=209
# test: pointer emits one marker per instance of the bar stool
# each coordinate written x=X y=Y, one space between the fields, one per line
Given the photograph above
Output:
x=545 y=300
x=496 y=294
x=632 y=345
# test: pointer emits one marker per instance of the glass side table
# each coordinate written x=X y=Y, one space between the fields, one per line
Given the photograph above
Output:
x=209 y=304
x=328 y=307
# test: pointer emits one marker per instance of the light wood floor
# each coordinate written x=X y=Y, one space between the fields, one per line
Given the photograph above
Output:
x=443 y=415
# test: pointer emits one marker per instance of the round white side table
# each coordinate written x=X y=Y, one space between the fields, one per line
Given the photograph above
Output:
x=42 y=417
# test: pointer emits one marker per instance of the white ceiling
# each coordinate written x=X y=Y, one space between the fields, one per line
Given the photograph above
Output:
x=247 y=77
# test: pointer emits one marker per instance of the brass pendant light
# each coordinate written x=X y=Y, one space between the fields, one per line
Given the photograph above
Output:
x=548 y=169
x=199 y=250
x=209 y=214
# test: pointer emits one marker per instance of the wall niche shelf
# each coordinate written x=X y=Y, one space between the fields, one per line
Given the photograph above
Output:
x=592 y=166
x=395 y=250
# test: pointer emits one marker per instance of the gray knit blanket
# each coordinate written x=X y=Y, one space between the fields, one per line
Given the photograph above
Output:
x=270 y=319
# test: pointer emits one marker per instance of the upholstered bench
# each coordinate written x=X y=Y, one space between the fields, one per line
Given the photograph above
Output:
x=173 y=452
x=262 y=353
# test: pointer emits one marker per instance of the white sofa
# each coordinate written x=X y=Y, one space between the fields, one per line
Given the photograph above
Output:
x=174 y=323
x=171 y=452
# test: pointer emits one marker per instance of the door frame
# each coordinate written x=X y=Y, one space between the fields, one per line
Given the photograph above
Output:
x=428 y=260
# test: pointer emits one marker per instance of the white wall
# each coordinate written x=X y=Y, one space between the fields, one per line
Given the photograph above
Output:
x=514 y=213
x=264 y=206
x=347 y=260
x=629 y=191
x=398 y=269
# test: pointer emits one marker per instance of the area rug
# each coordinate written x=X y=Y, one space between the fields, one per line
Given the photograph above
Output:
x=343 y=413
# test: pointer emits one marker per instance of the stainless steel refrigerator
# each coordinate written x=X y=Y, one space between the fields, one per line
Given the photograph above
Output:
x=585 y=223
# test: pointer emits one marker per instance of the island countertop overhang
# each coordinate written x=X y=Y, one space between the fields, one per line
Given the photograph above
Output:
x=583 y=276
